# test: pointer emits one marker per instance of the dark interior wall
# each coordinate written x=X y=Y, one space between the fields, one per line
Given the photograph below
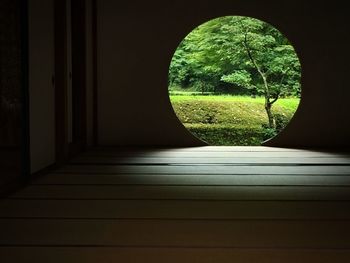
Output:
x=41 y=84
x=136 y=41
x=10 y=73
x=10 y=92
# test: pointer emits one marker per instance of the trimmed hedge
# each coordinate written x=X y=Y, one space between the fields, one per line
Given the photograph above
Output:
x=228 y=135
x=224 y=120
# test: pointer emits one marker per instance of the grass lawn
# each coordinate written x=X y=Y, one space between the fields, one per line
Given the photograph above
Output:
x=229 y=120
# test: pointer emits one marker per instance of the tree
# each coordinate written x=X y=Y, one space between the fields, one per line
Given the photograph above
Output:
x=244 y=52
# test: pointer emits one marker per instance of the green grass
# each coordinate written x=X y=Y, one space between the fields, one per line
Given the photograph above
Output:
x=228 y=120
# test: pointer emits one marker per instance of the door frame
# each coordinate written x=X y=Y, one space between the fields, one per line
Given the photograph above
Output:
x=64 y=149
x=25 y=128
x=79 y=111
x=61 y=82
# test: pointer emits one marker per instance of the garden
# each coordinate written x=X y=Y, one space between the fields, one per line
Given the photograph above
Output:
x=235 y=81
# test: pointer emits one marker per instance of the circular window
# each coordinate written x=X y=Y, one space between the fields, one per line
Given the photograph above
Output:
x=235 y=81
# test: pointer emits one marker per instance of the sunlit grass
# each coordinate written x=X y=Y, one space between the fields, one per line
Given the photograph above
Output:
x=228 y=120
x=290 y=104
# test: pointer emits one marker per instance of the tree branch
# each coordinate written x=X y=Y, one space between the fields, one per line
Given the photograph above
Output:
x=262 y=74
x=284 y=75
x=275 y=99
x=245 y=44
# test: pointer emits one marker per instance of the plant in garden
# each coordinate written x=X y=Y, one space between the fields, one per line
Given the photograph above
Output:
x=233 y=53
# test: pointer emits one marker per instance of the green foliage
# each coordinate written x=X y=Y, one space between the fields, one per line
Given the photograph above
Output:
x=227 y=135
x=230 y=120
x=281 y=121
x=240 y=78
x=214 y=57
x=238 y=55
x=268 y=132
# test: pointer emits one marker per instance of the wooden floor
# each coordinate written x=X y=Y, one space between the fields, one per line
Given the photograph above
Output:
x=204 y=204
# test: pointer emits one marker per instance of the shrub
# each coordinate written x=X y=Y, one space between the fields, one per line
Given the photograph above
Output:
x=281 y=121
x=215 y=134
x=268 y=132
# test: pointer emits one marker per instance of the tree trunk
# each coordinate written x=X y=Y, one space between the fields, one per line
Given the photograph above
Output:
x=272 y=121
x=268 y=103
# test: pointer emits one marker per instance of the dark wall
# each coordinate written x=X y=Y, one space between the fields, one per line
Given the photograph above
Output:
x=10 y=73
x=136 y=41
x=10 y=91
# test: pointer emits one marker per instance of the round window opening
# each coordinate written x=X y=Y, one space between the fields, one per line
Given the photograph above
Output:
x=235 y=81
